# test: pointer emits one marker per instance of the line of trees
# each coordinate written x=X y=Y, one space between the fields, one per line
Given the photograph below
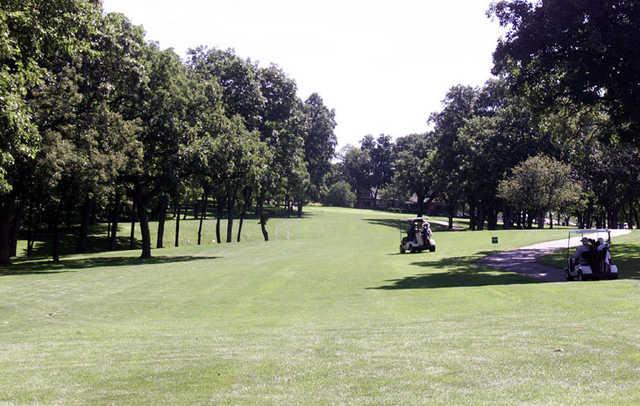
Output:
x=555 y=132
x=98 y=123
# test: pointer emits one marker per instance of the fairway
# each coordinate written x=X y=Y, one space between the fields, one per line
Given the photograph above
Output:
x=327 y=312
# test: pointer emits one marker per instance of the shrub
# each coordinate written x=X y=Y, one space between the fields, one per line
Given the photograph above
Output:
x=340 y=194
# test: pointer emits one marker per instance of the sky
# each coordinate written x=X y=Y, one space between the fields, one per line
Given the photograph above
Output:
x=384 y=66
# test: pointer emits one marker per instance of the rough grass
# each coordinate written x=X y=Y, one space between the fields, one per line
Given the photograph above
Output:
x=328 y=312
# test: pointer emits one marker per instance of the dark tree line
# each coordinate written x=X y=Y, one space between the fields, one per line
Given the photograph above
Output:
x=99 y=125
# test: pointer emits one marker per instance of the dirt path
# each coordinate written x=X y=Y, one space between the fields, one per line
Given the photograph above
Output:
x=525 y=260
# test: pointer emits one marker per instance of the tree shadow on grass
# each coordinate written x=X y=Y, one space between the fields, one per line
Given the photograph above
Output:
x=401 y=225
x=69 y=265
x=68 y=245
x=461 y=271
x=627 y=258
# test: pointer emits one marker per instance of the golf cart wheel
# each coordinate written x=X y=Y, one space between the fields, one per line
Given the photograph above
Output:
x=402 y=250
x=432 y=248
x=579 y=276
x=569 y=277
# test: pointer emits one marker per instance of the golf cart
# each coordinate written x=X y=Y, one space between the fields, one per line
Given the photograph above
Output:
x=419 y=236
x=592 y=260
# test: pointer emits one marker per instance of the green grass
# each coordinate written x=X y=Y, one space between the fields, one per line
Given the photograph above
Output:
x=327 y=312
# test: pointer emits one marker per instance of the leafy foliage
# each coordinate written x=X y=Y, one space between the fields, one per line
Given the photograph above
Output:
x=340 y=195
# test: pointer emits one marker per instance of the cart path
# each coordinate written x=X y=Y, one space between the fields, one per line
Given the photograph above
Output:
x=525 y=260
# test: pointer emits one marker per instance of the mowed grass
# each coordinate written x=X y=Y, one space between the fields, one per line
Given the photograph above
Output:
x=327 y=312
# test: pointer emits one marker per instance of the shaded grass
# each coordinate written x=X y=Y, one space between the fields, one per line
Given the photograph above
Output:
x=455 y=272
x=401 y=225
x=26 y=267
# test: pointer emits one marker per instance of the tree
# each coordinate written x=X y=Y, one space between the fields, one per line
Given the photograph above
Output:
x=238 y=79
x=83 y=152
x=357 y=168
x=162 y=112
x=538 y=185
x=47 y=42
x=340 y=195
x=381 y=164
x=586 y=51
x=414 y=171
x=232 y=163
x=319 y=143
x=459 y=105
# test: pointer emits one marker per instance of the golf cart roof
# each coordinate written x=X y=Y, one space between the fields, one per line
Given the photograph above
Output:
x=590 y=231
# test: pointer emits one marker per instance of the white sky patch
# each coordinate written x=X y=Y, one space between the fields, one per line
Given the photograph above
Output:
x=384 y=66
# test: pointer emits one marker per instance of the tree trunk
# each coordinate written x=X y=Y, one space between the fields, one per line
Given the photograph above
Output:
x=612 y=217
x=132 y=236
x=162 y=216
x=627 y=215
x=84 y=226
x=13 y=233
x=492 y=219
x=420 y=204
x=203 y=215
x=177 y=241
x=507 y=219
x=550 y=220
x=115 y=216
x=481 y=217
x=263 y=218
x=219 y=211
x=30 y=232
x=472 y=217
x=300 y=208
x=144 y=222
x=55 y=235
x=287 y=205
x=230 y=205
x=93 y=213
x=30 y=244
x=6 y=218
x=196 y=210
x=589 y=216
x=245 y=208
